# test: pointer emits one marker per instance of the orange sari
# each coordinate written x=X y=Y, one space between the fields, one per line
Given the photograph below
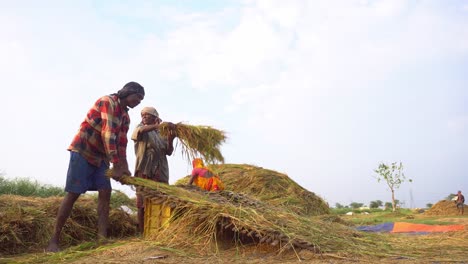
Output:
x=205 y=178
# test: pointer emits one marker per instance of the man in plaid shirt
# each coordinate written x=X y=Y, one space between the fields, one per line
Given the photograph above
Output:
x=101 y=139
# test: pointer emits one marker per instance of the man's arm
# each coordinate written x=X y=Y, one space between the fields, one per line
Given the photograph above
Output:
x=122 y=142
x=109 y=128
x=192 y=178
x=114 y=128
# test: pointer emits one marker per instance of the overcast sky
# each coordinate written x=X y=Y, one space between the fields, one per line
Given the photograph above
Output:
x=322 y=91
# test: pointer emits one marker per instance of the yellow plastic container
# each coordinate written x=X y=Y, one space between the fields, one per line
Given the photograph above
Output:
x=157 y=216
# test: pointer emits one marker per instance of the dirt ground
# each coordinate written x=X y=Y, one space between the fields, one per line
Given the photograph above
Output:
x=141 y=252
x=430 y=248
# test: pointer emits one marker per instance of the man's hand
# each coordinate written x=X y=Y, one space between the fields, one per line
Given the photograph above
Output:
x=119 y=170
x=172 y=129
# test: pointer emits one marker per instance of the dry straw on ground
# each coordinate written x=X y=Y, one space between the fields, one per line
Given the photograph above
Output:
x=269 y=186
x=209 y=222
x=198 y=141
x=26 y=223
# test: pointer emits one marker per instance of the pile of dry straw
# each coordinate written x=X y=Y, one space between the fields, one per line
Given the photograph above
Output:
x=282 y=215
x=26 y=223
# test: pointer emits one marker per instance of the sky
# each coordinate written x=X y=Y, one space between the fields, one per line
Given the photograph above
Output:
x=323 y=91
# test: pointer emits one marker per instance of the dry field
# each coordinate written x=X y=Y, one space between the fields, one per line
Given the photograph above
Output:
x=450 y=247
x=264 y=217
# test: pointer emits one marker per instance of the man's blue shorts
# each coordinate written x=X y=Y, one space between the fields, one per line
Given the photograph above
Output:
x=82 y=176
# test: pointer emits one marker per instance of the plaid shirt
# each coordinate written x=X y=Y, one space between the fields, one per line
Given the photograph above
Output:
x=103 y=133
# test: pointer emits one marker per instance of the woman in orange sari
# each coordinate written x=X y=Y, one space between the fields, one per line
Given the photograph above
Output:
x=204 y=177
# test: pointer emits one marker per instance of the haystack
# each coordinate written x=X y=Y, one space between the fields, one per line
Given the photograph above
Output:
x=26 y=223
x=269 y=186
x=444 y=207
x=209 y=221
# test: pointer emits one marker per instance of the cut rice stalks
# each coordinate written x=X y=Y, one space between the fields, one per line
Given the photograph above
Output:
x=207 y=220
x=198 y=141
x=27 y=223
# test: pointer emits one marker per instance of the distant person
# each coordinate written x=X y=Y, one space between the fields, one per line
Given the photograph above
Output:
x=204 y=177
x=101 y=139
x=460 y=202
x=151 y=150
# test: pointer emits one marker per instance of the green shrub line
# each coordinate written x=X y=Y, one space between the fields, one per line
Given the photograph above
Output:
x=27 y=187
x=32 y=188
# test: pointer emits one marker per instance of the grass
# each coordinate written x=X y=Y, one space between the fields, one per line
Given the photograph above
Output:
x=27 y=187
x=118 y=198
x=402 y=215
x=67 y=255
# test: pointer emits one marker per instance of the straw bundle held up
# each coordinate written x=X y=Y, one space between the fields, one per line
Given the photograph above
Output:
x=198 y=141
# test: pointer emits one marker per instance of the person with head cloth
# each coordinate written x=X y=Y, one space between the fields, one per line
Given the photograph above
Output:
x=151 y=150
x=100 y=140
x=205 y=178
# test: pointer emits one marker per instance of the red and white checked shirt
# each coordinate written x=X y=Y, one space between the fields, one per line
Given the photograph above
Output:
x=103 y=134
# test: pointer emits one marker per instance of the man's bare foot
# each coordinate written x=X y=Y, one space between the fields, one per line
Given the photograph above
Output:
x=53 y=246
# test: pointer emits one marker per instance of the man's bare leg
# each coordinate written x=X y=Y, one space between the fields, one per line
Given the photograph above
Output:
x=141 y=219
x=103 y=212
x=63 y=213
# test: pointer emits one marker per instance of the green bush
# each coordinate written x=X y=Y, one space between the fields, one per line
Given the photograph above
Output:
x=118 y=198
x=341 y=211
x=27 y=187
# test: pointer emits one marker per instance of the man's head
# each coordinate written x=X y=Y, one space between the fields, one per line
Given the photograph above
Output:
x=131 y=94
x=149 y=115
x=459 y=192
x=131 y=88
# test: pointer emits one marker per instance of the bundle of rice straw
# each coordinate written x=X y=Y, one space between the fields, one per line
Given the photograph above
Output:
x=198 y=141
x=210 y=221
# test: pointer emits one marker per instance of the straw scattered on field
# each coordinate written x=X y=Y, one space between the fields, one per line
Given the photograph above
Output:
x=198 y=141
x=435 y=247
